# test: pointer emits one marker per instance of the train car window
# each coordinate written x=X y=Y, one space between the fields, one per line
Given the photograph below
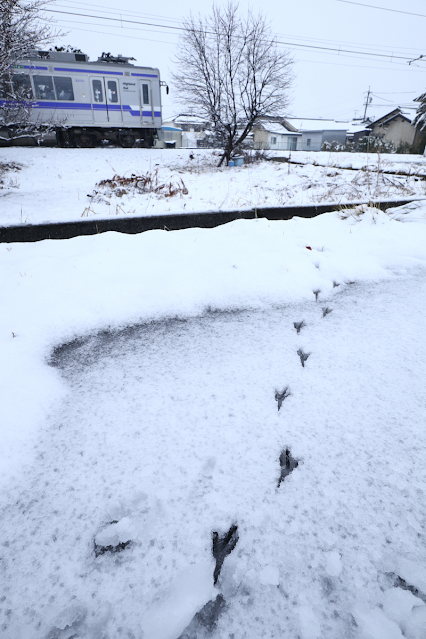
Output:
x=43 y=85
x=145 y=94
x=98 y=94
x=63 y=87
x=22 y=86
x=112 y=91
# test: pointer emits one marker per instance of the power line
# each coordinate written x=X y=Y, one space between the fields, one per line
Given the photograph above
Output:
x=277 y=35
x=397 y=92
x=120 y=12
x=291 y=44
x=116 y=35
x=66 y=22
x=84 y=15
x=372 y=6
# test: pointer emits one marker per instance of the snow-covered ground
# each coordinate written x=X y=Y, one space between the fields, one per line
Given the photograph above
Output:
x=64 y=184
x=139 y=407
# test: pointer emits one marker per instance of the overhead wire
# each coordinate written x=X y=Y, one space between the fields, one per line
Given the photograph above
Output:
x=372 y=6
x=65 y=22
x=291 y=44
x=115 y=34
x=120 y=13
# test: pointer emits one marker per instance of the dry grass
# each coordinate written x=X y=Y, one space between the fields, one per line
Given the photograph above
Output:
x=6 y=167
x=149 y=182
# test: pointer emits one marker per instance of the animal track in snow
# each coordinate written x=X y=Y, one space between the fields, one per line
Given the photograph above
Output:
x=299 y=325
x=115 y=537
x=288 y=464
x=205 y=619
x=399 y=582
x=223 y=546
x=316 y=293
x=303 y=356
x=280 y=397
x=326 y=310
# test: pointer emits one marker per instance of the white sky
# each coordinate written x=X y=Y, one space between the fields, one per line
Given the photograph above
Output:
x=328 y=84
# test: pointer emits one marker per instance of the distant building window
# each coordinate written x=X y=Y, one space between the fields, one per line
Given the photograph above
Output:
x=308 y=142
x=273 y=140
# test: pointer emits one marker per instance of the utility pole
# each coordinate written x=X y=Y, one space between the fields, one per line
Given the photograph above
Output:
x=367 y=102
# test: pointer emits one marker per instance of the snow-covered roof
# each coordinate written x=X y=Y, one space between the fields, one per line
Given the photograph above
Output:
x=406 y=112
x=276 y=128
x=187 y=118
x=305 y=124
x=356 y=127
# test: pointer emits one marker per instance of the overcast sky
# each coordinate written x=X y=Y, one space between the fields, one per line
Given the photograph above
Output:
x=328 y=83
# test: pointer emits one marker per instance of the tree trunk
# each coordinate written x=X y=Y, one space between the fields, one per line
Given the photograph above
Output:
x=221 y=160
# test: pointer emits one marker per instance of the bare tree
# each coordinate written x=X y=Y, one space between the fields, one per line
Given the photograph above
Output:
x=231 y=72
x=21 y=31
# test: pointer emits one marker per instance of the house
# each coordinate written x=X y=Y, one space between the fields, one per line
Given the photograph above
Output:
x=172 y=137
x=395 y=127
x=184 y=131
x=280 y=136
x=357 y=130
x=190 y=122
x=316 y=132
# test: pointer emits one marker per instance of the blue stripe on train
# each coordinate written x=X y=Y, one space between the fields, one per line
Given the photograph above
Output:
x=28 y=66
x=144 y=75
x=83 y=106
x=91 y=71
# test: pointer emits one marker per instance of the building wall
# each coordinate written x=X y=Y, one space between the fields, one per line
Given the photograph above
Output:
x=397 y=131
x=317 y=139
x=260 y=139
x=311 y=140
x=334 y=136
x=263 y=140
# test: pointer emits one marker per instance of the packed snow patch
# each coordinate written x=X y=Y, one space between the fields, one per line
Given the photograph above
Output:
x=142 y=376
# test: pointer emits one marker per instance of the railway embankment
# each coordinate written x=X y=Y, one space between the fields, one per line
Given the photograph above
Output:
x=174 y=222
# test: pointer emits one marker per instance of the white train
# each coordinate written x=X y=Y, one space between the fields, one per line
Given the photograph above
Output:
x=110 y=99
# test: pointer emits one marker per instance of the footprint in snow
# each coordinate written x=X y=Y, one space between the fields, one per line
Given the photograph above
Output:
x=303 y=356
x=222 y=546
x=206 y=619
x=288 y=464
x=280 y=397
x=326 y=311
x=299 y=325
x=115 y=537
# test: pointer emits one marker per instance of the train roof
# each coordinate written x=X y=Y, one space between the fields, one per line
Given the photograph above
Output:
x=78 y=57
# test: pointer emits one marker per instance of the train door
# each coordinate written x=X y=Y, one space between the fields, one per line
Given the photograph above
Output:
x=112 y=92
x=147 y=110
x=106 y=100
